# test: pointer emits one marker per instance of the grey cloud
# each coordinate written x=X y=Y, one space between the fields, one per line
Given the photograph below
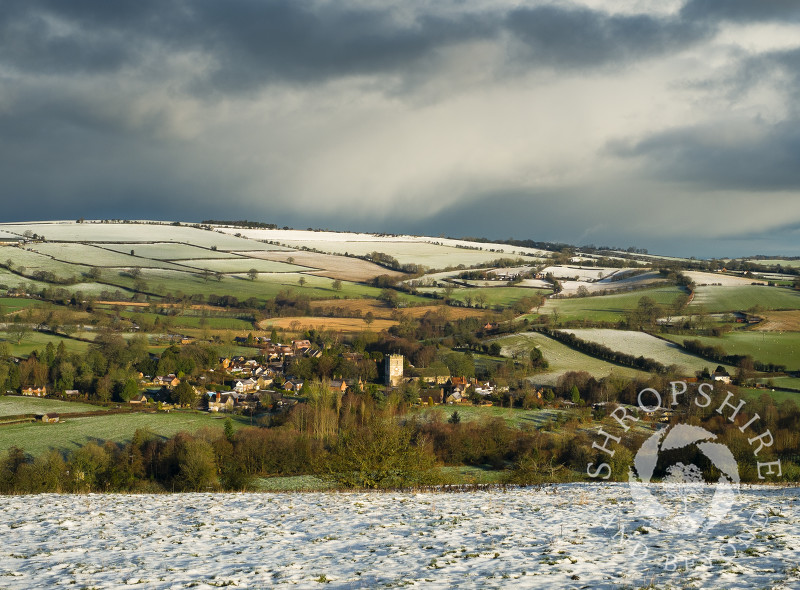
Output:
x=250 y=43
x=580 y=37
x=742 y=10
x=766 y=160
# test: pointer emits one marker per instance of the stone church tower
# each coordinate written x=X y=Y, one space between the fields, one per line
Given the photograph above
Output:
x=394 y=369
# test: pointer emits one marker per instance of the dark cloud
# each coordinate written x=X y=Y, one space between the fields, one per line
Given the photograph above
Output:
x=579 y=37
x=741 y=10
x=754 y=157
x=250 y=43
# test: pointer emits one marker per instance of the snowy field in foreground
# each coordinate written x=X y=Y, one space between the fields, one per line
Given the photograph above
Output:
x=565 y=536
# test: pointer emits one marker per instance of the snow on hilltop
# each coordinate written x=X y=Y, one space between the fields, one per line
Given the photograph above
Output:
x=562 y=536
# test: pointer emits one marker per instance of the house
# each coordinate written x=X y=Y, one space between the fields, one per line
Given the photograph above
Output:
x=338 y=385
x=293 y=385
x=169 y=381
x=721 y=375
x=221 y=402
x=35 y=391
x=137 y=399
x=72 y=393
x=246 y=385
x=301 y=344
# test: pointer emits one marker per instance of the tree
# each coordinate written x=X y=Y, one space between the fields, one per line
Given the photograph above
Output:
x=583 y=291
x=228 y=428
x=129 y=390
x=301 y=281
x=252 y=274
x=369 y=317
x=184 y=394
x=337 y=285
x=575 y=394
x=381 y=454
x=454 y=418
x=135 y=272
x=537 y=359
x=18 y=330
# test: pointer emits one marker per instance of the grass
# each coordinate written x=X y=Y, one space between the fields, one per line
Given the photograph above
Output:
x=608 y=308
x=778 y=396
x=513 y=416
x=779 y=348
x=561 y=358
x=498 y=296
x=72 y=433
x=292 y=483
x=469 y=475
x=13 y=405
x=190 y=321
x=716 y=299
x=38 y=341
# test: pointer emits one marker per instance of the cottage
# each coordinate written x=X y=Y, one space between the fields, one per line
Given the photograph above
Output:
x=169 y=381
x=245 y=385
x=221 y=402
x=35 y=391
x=293 y=385
x=138 y=399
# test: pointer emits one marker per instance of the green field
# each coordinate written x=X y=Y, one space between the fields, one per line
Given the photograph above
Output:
x=778 y=396
x=38 y=341
x=513 y=416
x=782 y=348
x=715 y=299
x=561 y=358
x=608 y=308
x=14 y=405
x=190 y=321
x=72 y=433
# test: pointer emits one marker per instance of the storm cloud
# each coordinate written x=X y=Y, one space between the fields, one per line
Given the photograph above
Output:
x=571 y=122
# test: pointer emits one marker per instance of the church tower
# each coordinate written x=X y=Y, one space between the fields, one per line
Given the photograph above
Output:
x=394 y=369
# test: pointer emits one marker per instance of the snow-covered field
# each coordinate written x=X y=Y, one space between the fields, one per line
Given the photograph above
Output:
x=711 y=278
x=643 y=344
x=563 y=536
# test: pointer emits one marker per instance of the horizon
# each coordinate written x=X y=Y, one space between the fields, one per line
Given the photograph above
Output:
x=670 y=126
x=475 y=238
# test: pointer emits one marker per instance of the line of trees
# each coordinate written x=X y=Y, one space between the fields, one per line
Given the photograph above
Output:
x=604 y=352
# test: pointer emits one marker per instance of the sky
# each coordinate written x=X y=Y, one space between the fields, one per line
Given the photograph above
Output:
x=659 y=124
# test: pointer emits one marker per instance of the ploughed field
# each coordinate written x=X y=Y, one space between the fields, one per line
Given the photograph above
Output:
x=560 y=536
